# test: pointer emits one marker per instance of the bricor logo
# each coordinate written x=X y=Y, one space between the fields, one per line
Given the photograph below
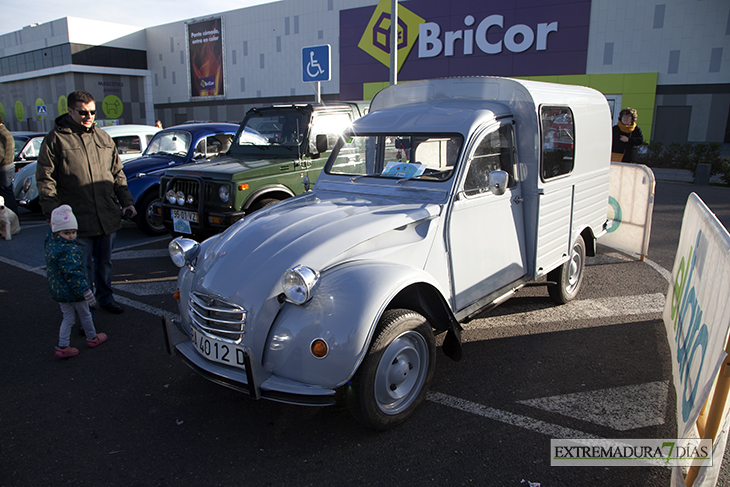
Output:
x=208 y=82
x=376 y=38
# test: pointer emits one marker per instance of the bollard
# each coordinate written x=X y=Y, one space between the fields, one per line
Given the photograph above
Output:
x=702 y=174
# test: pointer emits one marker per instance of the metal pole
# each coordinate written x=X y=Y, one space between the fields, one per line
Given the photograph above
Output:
x=393 y=42
x=319 y=92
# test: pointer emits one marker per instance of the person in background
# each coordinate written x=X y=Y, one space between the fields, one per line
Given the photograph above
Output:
x=158 y=124
x=627 y=136
x=78 y=165
x=7 y=166
x=68 y=281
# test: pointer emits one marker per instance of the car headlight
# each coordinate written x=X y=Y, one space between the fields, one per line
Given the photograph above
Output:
x=183 y=251
x=26 y=184
x=299 y=283
x=224 y=192
x=180 y=198
x=171 y=198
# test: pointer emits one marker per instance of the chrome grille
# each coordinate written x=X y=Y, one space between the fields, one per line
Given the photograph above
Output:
x=217 y=317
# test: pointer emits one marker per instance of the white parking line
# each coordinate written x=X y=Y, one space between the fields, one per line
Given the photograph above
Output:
x=649 y=305
x=551 y=430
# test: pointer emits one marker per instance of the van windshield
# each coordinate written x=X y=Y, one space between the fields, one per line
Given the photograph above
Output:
x=428 y=157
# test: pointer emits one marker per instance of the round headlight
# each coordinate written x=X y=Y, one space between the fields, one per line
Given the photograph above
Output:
x=224 y=192
x=180 y=198
x=170 y=195
x=298 y=284
x=26 y=184
x=183 y=250
x=190 y=199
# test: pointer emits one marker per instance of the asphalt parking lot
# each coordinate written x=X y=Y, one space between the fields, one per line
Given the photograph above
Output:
x=126 y=413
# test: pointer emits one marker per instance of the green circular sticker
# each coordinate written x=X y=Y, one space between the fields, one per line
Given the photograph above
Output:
x=40 y=109
x=62 y=105
x=112 y=106
x=19 y=111
x=617 y=215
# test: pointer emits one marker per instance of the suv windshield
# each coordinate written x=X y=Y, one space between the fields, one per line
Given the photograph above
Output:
x=287 y=128
x=401 y=156
x=174 y=142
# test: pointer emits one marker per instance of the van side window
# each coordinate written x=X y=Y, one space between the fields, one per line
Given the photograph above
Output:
x=558 y=141
x=494 y=152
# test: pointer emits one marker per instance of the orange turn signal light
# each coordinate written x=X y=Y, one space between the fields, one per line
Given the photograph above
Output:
x=176 y=295
x=243 y=187
x=319 y=348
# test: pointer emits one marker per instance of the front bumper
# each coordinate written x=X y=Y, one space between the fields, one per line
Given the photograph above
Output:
x=253 y=380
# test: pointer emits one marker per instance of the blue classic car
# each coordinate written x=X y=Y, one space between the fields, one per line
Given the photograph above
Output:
x=171 y=147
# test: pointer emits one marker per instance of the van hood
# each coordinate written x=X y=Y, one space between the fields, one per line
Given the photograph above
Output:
x=245 y=263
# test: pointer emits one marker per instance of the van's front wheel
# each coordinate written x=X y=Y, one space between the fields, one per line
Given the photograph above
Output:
x=568 y=276
x=394 y=376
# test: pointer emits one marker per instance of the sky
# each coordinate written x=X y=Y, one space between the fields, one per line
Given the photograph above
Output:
x=143 y=13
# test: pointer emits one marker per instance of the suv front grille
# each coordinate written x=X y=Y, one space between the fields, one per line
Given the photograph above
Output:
x=217 y=317
x=190 y=188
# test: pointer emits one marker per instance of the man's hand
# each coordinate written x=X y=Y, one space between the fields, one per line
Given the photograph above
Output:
x=129 y=212
x=624 y=138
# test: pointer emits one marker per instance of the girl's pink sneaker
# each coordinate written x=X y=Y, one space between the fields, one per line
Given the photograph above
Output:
x=96 y=341
x=66 y=352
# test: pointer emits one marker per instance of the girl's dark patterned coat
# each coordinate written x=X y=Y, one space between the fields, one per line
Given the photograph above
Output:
x=66 y=269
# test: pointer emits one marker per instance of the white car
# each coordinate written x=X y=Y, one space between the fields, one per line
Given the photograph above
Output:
x=439 y=204
x=131 y=141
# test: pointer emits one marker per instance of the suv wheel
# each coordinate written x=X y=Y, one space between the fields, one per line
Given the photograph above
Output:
x=144 y=218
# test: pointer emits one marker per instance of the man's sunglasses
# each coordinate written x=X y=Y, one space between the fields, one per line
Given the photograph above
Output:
x=85 y=113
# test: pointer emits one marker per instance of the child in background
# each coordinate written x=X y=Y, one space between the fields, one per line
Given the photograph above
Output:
x=68 y=281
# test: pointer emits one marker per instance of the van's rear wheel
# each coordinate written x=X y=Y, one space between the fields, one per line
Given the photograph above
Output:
x=394 y=376
x=568 y=276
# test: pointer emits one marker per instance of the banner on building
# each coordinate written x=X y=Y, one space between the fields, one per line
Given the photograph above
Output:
x=630 y=207
x=205 y=58
x=697 y=320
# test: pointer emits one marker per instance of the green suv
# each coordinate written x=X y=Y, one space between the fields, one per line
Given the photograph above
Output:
x=278 y=152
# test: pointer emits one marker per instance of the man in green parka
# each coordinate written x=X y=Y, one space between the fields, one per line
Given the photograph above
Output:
x=78 y=165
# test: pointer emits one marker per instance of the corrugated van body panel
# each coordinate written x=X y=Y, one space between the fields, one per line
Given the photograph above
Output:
x=591 y=204
x=553 y=228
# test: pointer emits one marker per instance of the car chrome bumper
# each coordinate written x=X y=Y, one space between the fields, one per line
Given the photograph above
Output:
x=253 y=379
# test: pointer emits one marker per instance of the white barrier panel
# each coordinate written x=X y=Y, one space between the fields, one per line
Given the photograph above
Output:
x=697 y=320
x=630 y=206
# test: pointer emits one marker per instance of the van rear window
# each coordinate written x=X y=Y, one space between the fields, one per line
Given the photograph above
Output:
x=558 y=141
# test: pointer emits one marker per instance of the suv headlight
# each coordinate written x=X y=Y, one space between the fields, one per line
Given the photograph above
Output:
x=183 y=251
x=224 y=192
x=299 y=283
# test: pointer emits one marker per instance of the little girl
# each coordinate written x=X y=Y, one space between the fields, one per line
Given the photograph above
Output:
x=68 y=281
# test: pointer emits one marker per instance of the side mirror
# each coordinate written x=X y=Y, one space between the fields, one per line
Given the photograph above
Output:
x=321 y=143
x=498 y=181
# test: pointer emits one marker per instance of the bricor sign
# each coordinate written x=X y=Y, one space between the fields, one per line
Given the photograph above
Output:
x=463 y=38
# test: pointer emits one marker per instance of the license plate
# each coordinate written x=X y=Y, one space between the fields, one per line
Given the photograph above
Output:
x=190 y=216
x=217 y=350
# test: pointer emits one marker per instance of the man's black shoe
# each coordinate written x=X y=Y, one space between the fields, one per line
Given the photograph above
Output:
x=113 y=307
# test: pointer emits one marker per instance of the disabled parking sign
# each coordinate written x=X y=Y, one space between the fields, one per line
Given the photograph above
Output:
x=316 y=65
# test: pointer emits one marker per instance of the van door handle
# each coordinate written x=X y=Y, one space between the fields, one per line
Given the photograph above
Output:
x=518 y=200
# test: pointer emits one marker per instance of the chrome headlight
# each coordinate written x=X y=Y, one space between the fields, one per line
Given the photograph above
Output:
x=171 y=198
x=183 y=251
x=180 y=198
x=299 y=283
x=224 y=192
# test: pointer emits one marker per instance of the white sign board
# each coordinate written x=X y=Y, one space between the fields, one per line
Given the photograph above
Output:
x=697 y=317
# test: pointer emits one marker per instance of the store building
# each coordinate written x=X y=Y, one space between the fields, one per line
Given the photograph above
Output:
x=669 y=59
